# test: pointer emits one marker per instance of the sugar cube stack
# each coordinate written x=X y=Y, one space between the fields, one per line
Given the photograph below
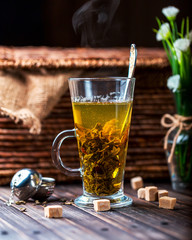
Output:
x=101 y=205
x=151 y=193
x=54 y=211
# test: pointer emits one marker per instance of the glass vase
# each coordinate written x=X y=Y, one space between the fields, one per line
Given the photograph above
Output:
x=180 y=167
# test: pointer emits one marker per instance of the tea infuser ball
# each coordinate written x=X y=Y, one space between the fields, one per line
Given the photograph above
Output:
x=45 y=190
x=26 y=183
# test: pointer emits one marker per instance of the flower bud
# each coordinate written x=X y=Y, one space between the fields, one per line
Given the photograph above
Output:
x=164 y=32
x=170 y=12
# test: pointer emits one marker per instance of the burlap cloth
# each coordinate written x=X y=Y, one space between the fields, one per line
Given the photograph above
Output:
x=28 y=98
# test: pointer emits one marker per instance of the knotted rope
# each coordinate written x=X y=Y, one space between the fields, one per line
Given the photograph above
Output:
x=175 y=121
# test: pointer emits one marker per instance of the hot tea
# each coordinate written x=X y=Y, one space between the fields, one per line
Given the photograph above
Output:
x=102 y=134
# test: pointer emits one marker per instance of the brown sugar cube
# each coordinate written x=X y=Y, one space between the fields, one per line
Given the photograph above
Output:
x=54 y=211
x=167 y=202
x=136 y=182
x=101 y=205
x=151 y=193
x=162 y=193
x=141 y=193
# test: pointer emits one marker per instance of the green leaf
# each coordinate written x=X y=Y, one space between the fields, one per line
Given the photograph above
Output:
x=180 y=35
x=158 y=21
x=155 y=30
x=187 y=27
x=167 y=52
x=182 y=27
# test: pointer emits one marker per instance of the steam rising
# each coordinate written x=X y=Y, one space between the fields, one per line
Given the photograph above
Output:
x=93 y=20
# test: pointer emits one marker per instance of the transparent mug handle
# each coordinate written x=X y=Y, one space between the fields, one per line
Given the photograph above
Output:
x=55 y=153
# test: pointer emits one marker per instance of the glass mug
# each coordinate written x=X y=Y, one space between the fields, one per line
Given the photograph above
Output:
x=102 y=109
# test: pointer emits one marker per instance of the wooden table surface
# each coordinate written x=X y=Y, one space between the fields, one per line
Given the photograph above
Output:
x=142 y=220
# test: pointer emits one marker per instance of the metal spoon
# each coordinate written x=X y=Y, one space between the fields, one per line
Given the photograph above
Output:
x=132 y=60
x=132 y=64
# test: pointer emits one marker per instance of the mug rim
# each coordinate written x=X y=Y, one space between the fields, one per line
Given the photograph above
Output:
x=100 y=78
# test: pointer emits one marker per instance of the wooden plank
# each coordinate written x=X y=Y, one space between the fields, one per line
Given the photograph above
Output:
x=162 y=221
x=132 y=227
x=65 y=227
x=143 y=220
x=25 y=224
x=91 y=228
x=9 y=232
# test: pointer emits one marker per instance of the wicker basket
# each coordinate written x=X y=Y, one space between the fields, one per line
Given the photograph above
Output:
x=19 y=149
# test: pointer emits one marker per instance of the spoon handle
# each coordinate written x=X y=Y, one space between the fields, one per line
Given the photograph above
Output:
x=132 y=60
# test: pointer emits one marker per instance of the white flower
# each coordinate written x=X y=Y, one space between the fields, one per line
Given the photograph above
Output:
x=164 y=32
x=182 y=44
x=170 y=12
x=173 y=82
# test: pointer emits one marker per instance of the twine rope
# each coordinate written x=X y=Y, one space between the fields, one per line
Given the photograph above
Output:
x=174 y=121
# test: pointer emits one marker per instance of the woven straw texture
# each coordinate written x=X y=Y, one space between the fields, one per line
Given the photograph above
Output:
x=20 y=149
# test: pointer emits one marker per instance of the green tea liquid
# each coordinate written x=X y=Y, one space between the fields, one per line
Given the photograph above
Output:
x=102 y=136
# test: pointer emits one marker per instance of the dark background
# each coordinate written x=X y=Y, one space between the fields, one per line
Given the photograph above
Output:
x=49 y=22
